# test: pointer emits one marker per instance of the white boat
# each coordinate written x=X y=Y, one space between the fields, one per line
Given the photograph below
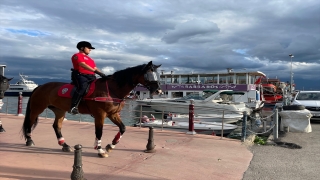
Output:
x=24 y=86
x=211 y=102
x=183 y=84
x=200 y=127
x=227 y=118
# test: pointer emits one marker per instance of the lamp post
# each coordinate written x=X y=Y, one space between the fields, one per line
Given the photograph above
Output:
x=291 y=75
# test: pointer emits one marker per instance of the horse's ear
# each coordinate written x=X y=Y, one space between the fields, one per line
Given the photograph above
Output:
x=148 y=66
x=156 y=66
x=9 y=79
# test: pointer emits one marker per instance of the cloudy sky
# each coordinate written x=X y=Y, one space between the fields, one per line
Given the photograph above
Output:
x=39 y=37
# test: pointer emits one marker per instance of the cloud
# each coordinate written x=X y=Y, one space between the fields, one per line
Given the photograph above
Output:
x=191 y=36
x=193 y=29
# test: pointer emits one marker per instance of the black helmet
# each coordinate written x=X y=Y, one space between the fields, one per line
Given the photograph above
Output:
x=82 y=44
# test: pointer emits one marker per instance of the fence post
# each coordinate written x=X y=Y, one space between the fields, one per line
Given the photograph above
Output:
x=244 y=127
x=19 y=112
x=7 y=106
x=191 y=118
x=222 y=124
x=140 y=114
x=275 y=128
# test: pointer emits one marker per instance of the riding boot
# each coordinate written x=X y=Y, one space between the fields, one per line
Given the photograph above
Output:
x=74 y=103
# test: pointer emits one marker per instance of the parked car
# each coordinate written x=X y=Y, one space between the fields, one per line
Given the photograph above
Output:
x=311 y=101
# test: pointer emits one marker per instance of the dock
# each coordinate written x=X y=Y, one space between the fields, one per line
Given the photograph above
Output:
x=178 y=155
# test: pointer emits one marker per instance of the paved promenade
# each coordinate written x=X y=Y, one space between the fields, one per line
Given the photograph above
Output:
x=178 y=156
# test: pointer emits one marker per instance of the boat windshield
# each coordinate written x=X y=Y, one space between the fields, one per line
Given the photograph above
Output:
x=197 y=96
x=308 y=96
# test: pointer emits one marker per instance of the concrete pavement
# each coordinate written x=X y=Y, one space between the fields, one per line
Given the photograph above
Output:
x=178 y=155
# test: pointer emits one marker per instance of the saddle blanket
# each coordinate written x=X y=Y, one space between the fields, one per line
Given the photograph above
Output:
x=68 y=90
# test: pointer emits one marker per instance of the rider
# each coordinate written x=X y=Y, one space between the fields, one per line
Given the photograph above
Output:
x=83 y=72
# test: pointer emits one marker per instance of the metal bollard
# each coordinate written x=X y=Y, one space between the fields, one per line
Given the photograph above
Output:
x=77 y=173
x=150 y=146
x=244 y=127
x=19 y=112
x=275 y=128
x=191 y=118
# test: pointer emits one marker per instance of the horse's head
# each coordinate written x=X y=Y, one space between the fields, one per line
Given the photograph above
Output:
x=4 y=85
x=151 y=78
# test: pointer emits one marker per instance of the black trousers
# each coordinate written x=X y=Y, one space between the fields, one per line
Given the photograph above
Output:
x=81 y=81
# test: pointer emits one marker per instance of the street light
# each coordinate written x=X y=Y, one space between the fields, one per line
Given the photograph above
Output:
x=291 y=75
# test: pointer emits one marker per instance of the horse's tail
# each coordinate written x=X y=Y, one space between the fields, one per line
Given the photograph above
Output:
x=27 y=120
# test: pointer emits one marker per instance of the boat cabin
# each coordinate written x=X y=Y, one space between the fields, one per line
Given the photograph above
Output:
x=182 y=84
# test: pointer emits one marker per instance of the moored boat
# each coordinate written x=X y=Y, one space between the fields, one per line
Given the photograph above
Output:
x=211 y=102
x=24 y=86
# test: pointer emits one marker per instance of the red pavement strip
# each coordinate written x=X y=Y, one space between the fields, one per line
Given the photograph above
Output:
x=178 y=155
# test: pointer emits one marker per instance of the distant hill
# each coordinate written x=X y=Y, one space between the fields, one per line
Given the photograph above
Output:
x=43 y=80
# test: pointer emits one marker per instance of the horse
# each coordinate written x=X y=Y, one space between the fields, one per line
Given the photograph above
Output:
x=4 y=85
x=105 y=98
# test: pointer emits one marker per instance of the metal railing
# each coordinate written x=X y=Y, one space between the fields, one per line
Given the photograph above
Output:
x=139 y=112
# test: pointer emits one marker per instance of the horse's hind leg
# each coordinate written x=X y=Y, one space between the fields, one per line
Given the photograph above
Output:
x=57 y=125
x=30 y=122
x=115 y=118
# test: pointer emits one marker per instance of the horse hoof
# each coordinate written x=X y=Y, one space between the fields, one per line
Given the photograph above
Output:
x=103 y=155
x=29 y=143
x=108 y=148
x=67 y=149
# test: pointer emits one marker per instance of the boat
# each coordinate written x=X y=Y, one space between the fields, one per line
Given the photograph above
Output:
x=210 y=102
x=273 y=90
x=24 y=86
x=181 y=85
x=200 y=127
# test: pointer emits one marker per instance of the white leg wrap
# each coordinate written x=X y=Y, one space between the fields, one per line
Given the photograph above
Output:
x=97 y=143
x=100 y=151
x=112 y=146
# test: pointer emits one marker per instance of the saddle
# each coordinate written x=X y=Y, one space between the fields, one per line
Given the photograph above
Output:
x=68 y=90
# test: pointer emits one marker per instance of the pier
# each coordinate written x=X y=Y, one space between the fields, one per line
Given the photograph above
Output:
x=178 y=155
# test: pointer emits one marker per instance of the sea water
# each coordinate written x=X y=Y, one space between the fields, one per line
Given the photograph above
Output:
x=130 y=114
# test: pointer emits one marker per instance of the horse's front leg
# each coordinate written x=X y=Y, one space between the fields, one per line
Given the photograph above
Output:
x=57 y=125
x=122 y=128
x=97 y=144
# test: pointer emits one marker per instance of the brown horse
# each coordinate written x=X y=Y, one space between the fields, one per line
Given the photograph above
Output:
x=106 y=100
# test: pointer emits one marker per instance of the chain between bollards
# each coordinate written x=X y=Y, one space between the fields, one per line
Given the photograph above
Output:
x=77 y=173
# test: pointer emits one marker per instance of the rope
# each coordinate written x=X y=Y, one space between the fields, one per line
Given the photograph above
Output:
x=261 y=132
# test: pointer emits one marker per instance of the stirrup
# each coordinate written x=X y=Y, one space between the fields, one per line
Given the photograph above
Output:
x=74 y=111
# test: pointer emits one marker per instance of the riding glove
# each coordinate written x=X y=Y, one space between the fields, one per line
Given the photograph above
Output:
x=100 y=73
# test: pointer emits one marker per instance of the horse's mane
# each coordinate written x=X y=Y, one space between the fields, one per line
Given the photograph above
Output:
x=122 y=77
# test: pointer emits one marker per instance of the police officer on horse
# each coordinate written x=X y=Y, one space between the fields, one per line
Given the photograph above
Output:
x=83 y=73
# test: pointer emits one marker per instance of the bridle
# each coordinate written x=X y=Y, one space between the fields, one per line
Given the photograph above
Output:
x=151 y=77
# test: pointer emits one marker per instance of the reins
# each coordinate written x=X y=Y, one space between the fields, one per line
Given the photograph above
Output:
x=106 y=99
